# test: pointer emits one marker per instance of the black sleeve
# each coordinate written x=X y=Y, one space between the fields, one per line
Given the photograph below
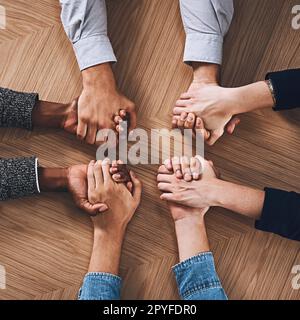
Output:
x=16 y=108
x=281 y=214
x=286 y=86
x=18 y=177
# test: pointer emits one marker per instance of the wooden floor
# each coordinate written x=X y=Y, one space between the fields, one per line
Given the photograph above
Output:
x=45 y=242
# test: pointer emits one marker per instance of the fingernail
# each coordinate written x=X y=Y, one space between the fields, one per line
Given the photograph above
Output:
x=195 y=175
x=102 y=209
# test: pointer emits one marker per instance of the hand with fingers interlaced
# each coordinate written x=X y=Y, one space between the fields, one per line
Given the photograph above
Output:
x=120 y=201
x=209 y=108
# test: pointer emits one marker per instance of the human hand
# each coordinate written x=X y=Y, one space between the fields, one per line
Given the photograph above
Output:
x=76 y=182
x=196 y=193
x=179 y=211
x=215 y=105
x=100 y=102
x=121 y=202
x=190 y=121
x=77 y=185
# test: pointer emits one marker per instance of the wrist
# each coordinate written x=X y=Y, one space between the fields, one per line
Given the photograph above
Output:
x=189 y=221
x=217 y=191
x=116 y=237
x=101 y=75
x=206 y=73
x=106 y=252
x=191 y=237
x=49 y=114
x=254 y=96
x=53 y=179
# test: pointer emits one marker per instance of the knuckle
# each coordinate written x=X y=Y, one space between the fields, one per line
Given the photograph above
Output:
x=161 y=168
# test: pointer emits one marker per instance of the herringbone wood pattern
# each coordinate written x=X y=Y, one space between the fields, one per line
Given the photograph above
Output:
x=46 y=242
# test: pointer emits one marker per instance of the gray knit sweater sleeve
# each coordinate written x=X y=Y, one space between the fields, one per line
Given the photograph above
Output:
x=18 y=177
x=16 y=108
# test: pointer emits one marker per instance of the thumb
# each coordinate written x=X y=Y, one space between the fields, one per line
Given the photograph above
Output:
x=93 y=209
x=231 y=125
x=215 y=135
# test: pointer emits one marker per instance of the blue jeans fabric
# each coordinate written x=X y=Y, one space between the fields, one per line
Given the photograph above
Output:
x=196 y=278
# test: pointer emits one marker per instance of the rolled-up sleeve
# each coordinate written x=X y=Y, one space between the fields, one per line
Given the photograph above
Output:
x=206 y=22
x=197 y=279
x=85 y=22
x=100 y=286
x=18 y=177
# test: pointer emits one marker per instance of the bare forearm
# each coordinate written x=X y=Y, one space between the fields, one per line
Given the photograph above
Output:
x=49 y=114
x=252 y=97
x=191 y=237
x=106 y=252
x=240 y=199
x=53 y=179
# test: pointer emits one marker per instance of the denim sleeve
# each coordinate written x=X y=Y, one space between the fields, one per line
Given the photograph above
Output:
x=206 y=22
x=85 y=22
x=197 y=279
x=100 y=286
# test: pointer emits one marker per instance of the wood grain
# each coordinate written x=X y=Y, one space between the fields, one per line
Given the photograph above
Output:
x=46 y=241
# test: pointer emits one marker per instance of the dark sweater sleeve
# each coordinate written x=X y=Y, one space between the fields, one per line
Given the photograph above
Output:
x=19 y=177
x=281 y=214
x=286 y=85
x=16 y=108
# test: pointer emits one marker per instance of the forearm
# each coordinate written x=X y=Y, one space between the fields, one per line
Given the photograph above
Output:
x=49 y=114
x=196 y=275
x=240 y=199
x=102 y=281
x=106 y=252
x=53 y=179
x=25 y=110
x=191 y=237
x=251 y=97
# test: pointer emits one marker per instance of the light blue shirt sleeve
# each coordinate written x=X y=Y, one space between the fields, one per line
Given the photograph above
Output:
x=85 y=23
x=197 y=279
x=206 y=22
x=100 y=286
